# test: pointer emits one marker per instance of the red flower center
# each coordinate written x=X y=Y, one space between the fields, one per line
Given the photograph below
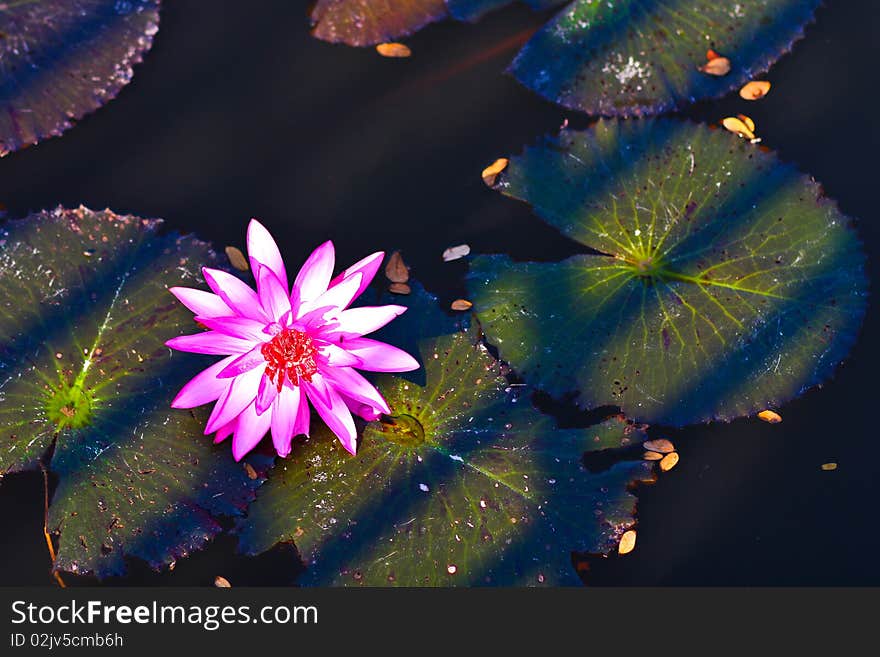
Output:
x=292 y=353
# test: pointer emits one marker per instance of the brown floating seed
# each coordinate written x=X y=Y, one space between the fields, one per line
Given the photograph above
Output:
x=652 y=456
x=829 y=466
x=461 y=304
x=770 y=416
x=399 y=288
x=717 y=66
x=490 y=173
x=755 y=89
x=627 y=542
x=393 y=50
x=669 y=461
x=738 y=126
x=456 y=252
x=396 y=270
x=249 y=469
x=236 y=258
x=222 y=583
x=750 y=124
x=660 y=445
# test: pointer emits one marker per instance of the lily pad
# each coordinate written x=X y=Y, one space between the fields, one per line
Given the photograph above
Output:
x=465 y=484
x=723 y=281
x=369 y=22
x=642 y=56
x=86 y=383
x=61 y=59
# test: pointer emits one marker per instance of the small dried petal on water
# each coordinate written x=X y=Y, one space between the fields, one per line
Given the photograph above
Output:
x=770 y=416
x=396 y=270
x=461 y=304
x=222 y=583
x=829 y=466
x=669 y=461
x=490 y=173
x=393 y=50
x=750 y=124
x=236 y=258
x=738 y=126
x=660 y=445
x=627 y=542
x=251 y=473
x=456 y=252
x=399 y=288
x=652 y=456
x=755 y=89
x=717 y=66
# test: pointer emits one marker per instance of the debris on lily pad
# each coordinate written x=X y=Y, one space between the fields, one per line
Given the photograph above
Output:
x=236 y=258
x=755 y=90
x=770 y=416
x=456 y=252
x=399 y=288
x=829 y=466
x=669 y=461
x=716 y=66
x=627 y=542
x=396 y=270
x=659 y=445
x=461 y=304
x=222 y=583
x=393 y=50
x=490 y=173
x=63 y=59
x=721 y=281
x=741 y=125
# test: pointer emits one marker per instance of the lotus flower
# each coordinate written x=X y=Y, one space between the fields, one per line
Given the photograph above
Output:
x=287 y=347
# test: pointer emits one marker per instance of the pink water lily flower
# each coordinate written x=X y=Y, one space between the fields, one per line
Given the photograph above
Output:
x=285 y=347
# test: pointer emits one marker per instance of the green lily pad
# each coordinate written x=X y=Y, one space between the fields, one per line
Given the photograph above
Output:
x=368 y=22
x=642 y=56
x=725 y=282
x=61 y=59
x=86 y=383
x=465 y=484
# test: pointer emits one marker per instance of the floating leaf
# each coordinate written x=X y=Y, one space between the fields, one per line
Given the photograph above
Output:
x=84 y=369
x=725 y=282
x=465 y=484
x=61 y=59
x=371 y=22
x=642 y=56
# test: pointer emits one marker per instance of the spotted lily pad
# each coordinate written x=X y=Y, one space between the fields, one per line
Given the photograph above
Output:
x=61 y=59
x=642 y=56
x=368 y=22
x=86 y=383
x=465 y=484
x=725 y=281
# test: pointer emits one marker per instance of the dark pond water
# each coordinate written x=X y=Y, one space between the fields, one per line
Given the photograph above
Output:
x=237 y=112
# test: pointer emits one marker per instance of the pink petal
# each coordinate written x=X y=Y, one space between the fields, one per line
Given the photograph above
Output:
x=244 y=363
x=249 y=432
x=317 y=387
x=284 y=415
x=225 y=431
x=350 y=384
x=335 y=299
x=238 y=327
x=263 y=250
x=266 y=394
x=337 y=417
x=314 y=277
x=200 y=302
x=337 y=356
x=378 y=356
x=359 y=321
x=361 y=410
x=237 y=295
x=204 y=387
x=238 y=396
x=303 y=416
x=210 y=342
x=366 y=267
x=273 y=294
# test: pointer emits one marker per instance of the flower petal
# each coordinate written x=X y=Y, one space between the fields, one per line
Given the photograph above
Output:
x=266 y=394
x=303 y=415
x=378 y=356
x=333 y=301
x=204 y=387
x=249 y=432
x=237 y=295
x=337 y=356
x=236 y=326
x=244 y=363
x=350 y=384
x=242 y=392
x=337 y=417
x=201 y=302
x=314 y=277
x=285 y=410
x=355 y=322
x=273 y=294
x=210 y=342
x=366 y=267
x=225 y=431
x=263 y=250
